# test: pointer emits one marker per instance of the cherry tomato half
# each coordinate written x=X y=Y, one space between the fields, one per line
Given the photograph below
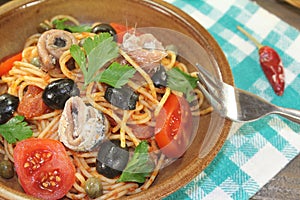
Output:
x=44 y=169
x=120 y=30
x=173 y=128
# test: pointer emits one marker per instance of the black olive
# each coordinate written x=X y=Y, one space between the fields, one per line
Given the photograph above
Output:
x=8 y=105
x=6 y=169
x=111 y=159
x=105 y=28
x=159 y=78
x=58 y=92
x=124 y=98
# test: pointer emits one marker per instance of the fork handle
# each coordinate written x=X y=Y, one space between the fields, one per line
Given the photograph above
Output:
x=291 y=114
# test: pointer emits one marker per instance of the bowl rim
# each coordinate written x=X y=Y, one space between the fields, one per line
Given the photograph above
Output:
x=199 y=164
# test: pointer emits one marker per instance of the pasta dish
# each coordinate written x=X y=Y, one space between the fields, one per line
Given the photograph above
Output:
x=94 y=111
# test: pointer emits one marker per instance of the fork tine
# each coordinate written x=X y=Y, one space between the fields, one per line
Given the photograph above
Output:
x=209 y=96
x=212 y=85
x=207 y=79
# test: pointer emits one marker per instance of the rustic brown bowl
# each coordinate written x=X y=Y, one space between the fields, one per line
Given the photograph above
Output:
x=19 y=19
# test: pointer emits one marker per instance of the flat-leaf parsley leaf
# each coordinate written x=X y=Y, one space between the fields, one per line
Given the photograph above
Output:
x=15 y=129
x=97 y=52
x=181 y=82
x=60 y=24
x=139 y=167
x=117 y=75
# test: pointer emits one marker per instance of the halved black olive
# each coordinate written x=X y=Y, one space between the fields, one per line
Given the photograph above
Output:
x=124 y=98
x=102 y=28
x=8 y=105
x=111 y=159
x=160 y=77
x=58 y=92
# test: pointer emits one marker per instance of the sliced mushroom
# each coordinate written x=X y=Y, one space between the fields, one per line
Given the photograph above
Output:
x=81 y=127
x=51 y=46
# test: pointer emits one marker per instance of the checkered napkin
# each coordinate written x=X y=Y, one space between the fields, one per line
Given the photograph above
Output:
x=254 y=152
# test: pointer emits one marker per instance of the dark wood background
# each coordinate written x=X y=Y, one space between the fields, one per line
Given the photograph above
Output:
x=286 y=184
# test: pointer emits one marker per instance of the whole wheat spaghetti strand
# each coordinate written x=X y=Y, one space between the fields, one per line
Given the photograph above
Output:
x=206 y=111
x=47 y=130
x=30 y=69
x=126 y=116
x=84 y=167
x=72 y=74
x=32 y=40
x=182 y=67
x=142 y=118
x=9 y=150
x=75 y=196
x=54 y=113
x=115 y=193
x=78 y=188
x=170 y=60
x=99 y=107
x=162 y=101
x=13 y=88
x=143 y=91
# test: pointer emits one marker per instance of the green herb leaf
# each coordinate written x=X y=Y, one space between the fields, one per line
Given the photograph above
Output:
x=117 y=75
x=98 y=51
x=89 y=43
x=15 y=129
x=60 y=24
x=181 y=82
x=139 y=167
x=79 y=58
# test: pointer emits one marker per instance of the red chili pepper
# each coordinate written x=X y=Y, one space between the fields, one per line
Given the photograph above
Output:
x=7 y=63
x=271 y=64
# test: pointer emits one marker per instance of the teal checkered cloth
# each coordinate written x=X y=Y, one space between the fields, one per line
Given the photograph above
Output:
x=254 y=152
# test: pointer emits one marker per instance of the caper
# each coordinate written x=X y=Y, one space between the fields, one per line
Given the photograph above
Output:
x=93 y=187
x=36 y=61
x=6 y=169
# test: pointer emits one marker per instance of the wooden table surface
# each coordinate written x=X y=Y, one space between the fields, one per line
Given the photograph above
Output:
x=286 y=184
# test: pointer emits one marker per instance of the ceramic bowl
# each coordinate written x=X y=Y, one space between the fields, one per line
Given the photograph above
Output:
x=19 y=19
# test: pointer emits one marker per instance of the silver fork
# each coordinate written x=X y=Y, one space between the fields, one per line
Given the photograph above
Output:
x=236 y=104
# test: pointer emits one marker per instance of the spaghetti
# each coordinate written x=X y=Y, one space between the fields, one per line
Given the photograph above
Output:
x=150 y=102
